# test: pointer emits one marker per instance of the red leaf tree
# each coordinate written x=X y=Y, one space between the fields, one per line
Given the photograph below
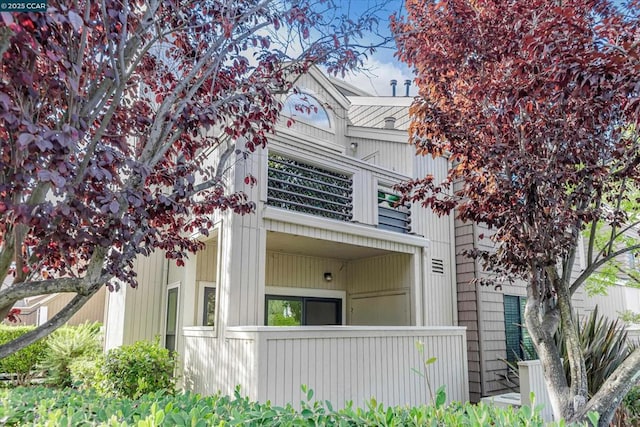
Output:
x=537 y=104
x=108 y=111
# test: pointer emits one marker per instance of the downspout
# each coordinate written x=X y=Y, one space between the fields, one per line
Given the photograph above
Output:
x=452 y=267
x=480 y=315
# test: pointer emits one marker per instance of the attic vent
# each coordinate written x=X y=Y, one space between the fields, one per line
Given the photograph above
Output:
x=437 y=266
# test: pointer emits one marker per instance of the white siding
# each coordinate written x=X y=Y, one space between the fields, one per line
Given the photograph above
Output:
x=395 y=156
x=618 y=299
x=300 y=271
x=339 y=363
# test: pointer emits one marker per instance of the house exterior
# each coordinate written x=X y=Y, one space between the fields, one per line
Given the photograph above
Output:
x=329 y=283
x=37 y=310
x=494 y=316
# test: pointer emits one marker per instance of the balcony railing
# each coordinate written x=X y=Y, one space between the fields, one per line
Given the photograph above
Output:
x=391 y=216
x=300 y=187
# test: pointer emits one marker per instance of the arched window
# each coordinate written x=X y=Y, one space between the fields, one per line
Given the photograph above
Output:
x=306 y=108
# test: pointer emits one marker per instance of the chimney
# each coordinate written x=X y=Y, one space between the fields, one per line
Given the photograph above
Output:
x=407 y=83
x=393 y=87
x=389 y=122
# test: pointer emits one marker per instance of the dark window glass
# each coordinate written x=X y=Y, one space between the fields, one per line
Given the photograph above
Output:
x=299 y=311
x=172 y=319
x=519 y=344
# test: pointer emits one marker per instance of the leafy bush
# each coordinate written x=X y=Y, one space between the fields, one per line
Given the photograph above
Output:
x=86 y=373
x=22 y=364
x=42 y=406
x=604 y=345
x=69 y=344
x=133 y=370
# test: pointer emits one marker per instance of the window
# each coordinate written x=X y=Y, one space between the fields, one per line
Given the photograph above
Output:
x=171 y=325
x=519 y=344
x=391 y=216
x=306 y=108
x=282 y=310
x=209 y=306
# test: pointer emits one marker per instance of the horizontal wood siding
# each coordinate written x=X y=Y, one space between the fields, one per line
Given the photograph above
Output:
x=339 y=364
x=468 y=314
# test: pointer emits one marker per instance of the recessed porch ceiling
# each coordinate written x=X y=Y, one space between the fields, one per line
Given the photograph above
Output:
x=293 y=244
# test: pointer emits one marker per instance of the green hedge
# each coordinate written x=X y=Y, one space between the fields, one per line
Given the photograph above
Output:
x=24 y=362
x=133 y=370
x=45 y=407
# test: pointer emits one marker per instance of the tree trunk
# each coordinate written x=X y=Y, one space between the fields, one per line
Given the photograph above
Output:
x=609 y=397
x=542 y=336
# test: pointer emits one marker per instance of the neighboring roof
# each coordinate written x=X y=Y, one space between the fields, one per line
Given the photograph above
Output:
x=371 y=111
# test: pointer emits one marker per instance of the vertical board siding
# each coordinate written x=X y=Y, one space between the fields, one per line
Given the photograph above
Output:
x=143 y=319
x=300 y=271
x=207 y=262
x=394 y=156
x=439 y=289
x=618 y=299
x=215 y=365
x=423 y=220
x=92 y=311
x=381 y=273
x=339 y=364
x=359 y=368
x=532 y=381
x=335 y=236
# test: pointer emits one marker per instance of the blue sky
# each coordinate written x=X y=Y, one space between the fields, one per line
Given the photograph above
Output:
x=382 y=65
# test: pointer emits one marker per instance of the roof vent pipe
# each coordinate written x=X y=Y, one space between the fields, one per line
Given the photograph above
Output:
x=407 y=83
x=389 y=122
x=394 y=83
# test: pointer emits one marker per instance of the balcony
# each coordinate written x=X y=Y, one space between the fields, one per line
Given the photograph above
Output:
x=336 y=187
x=340 y=363
x=300 y=187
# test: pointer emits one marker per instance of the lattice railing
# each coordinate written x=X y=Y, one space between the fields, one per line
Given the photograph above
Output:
x=301 y=187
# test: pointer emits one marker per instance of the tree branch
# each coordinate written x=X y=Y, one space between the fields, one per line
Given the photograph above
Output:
x=45 y=329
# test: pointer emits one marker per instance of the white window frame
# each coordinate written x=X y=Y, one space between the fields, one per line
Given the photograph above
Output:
x=311 y=293
x=165 y=311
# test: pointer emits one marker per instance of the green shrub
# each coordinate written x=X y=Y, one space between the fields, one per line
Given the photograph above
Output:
x=47 y=407
x=22 y=364
x=604 y=346
x=69 y=344
x=133 y=370
x=86 y=373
